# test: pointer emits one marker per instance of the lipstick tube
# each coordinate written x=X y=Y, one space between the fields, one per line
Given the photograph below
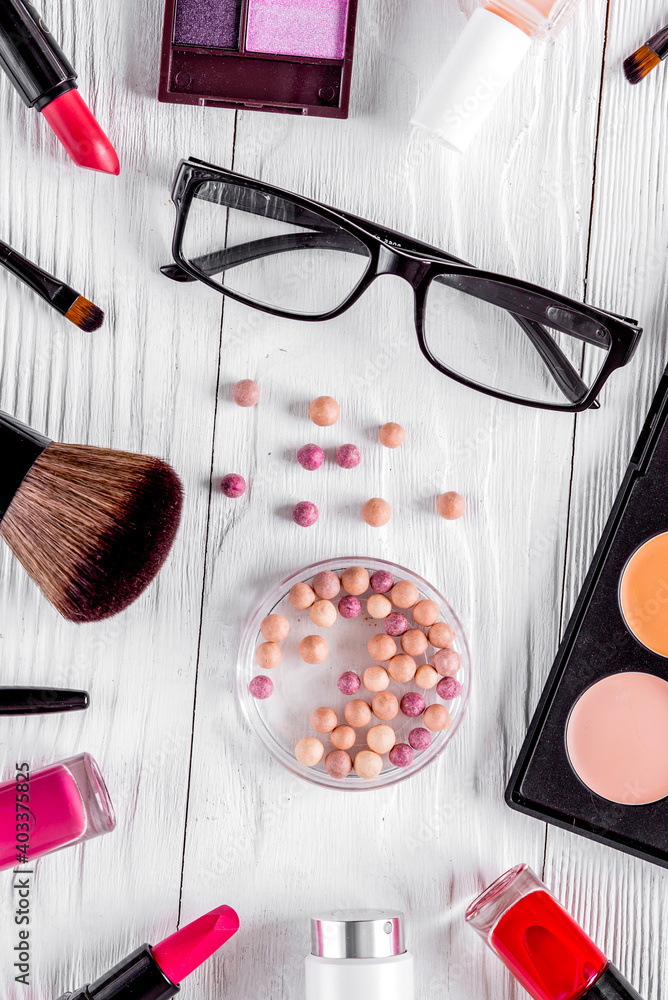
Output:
x=137 y=977
x=46 y=80
x=539 y=942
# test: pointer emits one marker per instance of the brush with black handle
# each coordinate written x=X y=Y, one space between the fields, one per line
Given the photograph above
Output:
x=647 y=57
x=41 y=701
x=91 y=526
x=65 y=300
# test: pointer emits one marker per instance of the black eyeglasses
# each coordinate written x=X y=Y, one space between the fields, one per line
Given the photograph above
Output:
x=293 y=257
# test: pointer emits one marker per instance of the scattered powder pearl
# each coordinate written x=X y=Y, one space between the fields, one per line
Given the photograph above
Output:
x=426 y=677
x=322 y=614
x=385 y=705
x=357 y=713
x=313 y=649
x=368 y=764
x=381 y=739
x=233 y=486
x=376 y=512
x=261 y=687
x=413 y=705
x=426 y=613
x=348 y=456
x=414 y=642
x=401 y=755
x=376 y=679
x=324 y=720
x=349 y=683
x=419 y=738
x=301 y=596
x=451 y=505
x=381 y=647
x=338 y=764
x=382 y=581
x=355 y=580
x=447 y=662
x=436 y=718
x=268 y=655
x=404 y=594
x=324 y=411
x=441 y=634
x=396 y=624
x=379 y=606
x=246 y=392
x=401 y=668
x=326 y=584
x=305 y=514
x=448 y=688
x=309 y=751
x=350 y=607
x=310 y=457
x=391 y=435
x=275 y=628
x=343 y=737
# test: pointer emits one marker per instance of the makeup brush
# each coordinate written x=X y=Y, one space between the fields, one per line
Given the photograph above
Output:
x=647 y=58
x=91 y=526
x=74 y=307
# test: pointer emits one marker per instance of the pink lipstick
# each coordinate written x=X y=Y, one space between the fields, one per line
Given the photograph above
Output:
x=46 y=80
x=156 y=973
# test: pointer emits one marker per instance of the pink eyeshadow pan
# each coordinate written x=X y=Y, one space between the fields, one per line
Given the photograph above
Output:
x=617 y=738
x=310 y=28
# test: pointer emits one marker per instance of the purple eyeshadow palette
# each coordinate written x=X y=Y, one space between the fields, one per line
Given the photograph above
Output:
x=289 y=56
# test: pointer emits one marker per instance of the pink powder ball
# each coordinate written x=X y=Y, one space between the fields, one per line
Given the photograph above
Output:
x=348 y=456
x=326 y=584
x=233 y=486
x=391 y=435
x=261 y=687
x=448 y=662
x=448 y=688
x=305 y=514
x=413 y=705
x=350 y=607
x=401 y=755
x=349 y=683
x=382 y=581
x=310 y=457
x=396 y=624
x=338 y=764
x=376 y=512
x=246 y=393
x=324 y=411
x=419 y=738
x=451 y=505
x=437 y=718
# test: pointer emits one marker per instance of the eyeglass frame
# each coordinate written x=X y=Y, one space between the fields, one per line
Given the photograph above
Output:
x=419 y=264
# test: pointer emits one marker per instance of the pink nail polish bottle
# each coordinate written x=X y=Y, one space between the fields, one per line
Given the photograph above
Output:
x=58 y=806
x=484 y=58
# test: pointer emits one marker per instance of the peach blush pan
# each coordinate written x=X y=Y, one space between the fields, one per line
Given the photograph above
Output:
x=643 y=594
x=617 y=738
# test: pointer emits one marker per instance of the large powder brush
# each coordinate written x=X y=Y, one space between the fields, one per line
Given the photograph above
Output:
x=91 y=526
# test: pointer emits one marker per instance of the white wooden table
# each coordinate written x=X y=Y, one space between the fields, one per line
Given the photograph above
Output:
x=566 y=188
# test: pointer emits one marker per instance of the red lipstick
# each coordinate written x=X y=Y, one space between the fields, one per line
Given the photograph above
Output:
x=46 y=80
x=540 y=943
x=155 y=973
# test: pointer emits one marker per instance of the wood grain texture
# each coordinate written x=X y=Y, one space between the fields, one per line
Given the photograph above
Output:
x=205 y=816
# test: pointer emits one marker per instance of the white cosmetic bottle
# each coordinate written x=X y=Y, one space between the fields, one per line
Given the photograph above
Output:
x=359 y=955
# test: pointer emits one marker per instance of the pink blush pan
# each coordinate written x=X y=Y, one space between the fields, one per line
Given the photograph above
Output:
x=617 y=738
x=311 y=28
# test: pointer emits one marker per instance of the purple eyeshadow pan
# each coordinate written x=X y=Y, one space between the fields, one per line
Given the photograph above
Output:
x=212 y=24
x=315 y=28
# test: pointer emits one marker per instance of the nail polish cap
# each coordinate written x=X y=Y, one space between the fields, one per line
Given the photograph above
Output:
x=484 y=58
x=358 y=934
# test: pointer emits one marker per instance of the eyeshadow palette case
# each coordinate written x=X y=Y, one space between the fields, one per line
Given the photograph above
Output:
x=288 y=56
x=598 y=643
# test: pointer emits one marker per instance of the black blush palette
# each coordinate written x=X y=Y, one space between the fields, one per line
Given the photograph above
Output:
x=595 y=759
x=290 y=56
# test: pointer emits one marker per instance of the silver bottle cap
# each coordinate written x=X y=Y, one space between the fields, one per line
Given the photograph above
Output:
x=358 y=934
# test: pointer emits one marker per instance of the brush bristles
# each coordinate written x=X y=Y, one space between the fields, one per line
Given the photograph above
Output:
x=86 y=315
x=92 y=527
x=640 y=64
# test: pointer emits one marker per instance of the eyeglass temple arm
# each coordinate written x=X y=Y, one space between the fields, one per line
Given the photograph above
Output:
x=564 y=374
